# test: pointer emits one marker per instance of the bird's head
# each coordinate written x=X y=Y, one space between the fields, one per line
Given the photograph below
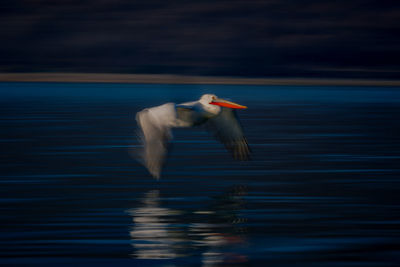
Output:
x=213 y=104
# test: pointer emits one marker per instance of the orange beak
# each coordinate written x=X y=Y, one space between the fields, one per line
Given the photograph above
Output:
x=226 y=103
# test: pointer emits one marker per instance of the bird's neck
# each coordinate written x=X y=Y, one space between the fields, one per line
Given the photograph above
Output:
x=212 y=109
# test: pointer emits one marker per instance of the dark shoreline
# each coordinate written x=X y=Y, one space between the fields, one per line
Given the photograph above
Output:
x=181 y=79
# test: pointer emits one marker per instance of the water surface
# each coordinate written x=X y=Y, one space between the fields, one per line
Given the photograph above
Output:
x=322 y=188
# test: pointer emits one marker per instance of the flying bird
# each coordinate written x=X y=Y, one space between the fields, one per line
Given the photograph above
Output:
x=218 y=115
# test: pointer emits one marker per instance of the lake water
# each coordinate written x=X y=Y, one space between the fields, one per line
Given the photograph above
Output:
x=322 y=188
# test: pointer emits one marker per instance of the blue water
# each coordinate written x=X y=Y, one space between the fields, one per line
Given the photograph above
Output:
x=322 y=188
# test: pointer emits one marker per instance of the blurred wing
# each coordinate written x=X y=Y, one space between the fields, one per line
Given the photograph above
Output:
x=185 y=114
x=227 y=129
x=155 y=139
x=189 y=115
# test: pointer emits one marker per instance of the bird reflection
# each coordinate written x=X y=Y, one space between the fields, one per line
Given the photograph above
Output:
x=219 y=229
x=214 y=232
x=153 y=233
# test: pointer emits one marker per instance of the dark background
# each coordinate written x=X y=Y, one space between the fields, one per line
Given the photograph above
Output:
x=278 y=38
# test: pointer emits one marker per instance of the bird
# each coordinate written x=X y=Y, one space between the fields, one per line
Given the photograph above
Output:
x=216 y=114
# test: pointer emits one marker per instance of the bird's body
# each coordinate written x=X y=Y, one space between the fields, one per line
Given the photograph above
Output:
x=217 y=114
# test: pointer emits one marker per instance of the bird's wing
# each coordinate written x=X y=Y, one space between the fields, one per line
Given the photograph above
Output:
x=227 y=129
x=155 y=139
x=189 y=115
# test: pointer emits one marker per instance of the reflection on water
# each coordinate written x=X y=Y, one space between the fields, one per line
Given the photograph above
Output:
x=220 y=230
x=155 y=235
x=214 y=232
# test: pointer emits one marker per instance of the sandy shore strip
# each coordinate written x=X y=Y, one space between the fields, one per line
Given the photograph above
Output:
x=181 y=79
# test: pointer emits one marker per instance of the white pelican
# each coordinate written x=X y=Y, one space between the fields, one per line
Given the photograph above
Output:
x=217 y=114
